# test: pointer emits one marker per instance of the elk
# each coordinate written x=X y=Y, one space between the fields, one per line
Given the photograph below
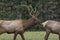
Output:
x=51 y=26
x=18 y=26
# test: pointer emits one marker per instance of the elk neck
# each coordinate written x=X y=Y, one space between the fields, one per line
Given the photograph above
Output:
x=29 y=23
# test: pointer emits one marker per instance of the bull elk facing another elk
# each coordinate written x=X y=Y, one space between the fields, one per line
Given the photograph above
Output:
x=18 y=26
x=51 y=27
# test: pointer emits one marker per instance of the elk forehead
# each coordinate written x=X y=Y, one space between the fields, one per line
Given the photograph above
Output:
x=44 y=23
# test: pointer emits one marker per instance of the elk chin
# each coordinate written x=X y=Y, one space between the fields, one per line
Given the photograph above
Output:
x=44 y=23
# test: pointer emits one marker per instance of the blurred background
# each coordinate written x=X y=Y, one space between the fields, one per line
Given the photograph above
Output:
x=13 y=9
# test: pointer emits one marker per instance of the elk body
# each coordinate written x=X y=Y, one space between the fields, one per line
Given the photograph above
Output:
x=17 y=26
x=51 y=27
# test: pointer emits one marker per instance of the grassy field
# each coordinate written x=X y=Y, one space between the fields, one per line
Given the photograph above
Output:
x=29 y=36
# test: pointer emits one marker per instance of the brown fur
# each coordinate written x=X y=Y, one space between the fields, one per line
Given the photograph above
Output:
x=17 y=26
x=51 y=27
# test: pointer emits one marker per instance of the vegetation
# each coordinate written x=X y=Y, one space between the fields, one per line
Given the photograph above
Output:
x=15 y=9
x=29 y=36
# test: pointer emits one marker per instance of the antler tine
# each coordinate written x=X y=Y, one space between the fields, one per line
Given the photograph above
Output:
x=36 y=12
x=30 y=9
x=31 y=13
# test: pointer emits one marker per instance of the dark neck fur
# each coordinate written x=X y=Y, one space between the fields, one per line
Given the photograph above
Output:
x=29 y=23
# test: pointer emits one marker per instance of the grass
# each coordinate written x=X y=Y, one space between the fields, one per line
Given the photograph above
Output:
x=29 y=36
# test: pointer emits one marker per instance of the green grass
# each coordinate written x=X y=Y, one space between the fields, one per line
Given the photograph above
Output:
x=29 y=36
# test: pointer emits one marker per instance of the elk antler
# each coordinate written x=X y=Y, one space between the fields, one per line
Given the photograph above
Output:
x=36 y=12
x=31 y=10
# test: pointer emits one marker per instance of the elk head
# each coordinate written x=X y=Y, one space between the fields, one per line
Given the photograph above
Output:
x=33 y=20
x=33 y=13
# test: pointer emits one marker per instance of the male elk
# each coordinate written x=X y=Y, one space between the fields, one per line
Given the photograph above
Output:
x=51 y=27
x=18 y=26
